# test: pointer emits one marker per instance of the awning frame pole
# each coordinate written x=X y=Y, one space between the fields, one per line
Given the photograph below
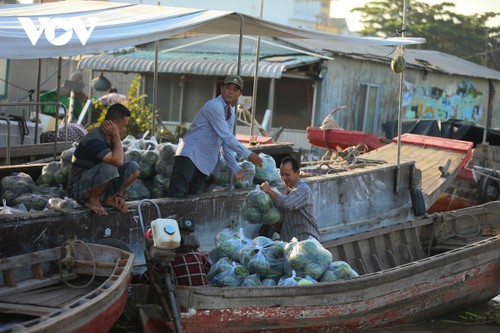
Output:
x=240 y=43
x=256 y=77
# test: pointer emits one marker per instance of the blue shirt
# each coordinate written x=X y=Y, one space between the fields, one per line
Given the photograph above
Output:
x=209 y=132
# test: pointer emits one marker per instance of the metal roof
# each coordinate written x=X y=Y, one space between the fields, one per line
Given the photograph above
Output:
x=432 y=61
x=196 y=63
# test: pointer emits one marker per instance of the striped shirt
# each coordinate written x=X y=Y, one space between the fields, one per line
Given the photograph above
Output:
x=298 y=209
x=209 y=132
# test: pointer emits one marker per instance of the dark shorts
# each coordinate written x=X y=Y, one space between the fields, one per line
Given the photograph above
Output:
x=186 y=178
x=103 y=173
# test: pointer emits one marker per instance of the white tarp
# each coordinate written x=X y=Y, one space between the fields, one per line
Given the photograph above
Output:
x=71 y=28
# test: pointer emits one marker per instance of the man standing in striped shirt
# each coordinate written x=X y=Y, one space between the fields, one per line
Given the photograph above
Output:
x=297 y=203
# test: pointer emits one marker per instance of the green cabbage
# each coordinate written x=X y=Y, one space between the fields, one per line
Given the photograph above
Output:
x=342 y=270
x=232 y=276
x=15 y=185
x=268 y=172
x=307 y=257
x=251 y=280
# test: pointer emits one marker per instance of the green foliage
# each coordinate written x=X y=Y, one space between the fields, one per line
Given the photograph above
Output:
x=477 y=317
x=141 y=118
x=465 y=36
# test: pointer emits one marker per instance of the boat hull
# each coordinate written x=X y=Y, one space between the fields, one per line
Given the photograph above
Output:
x=398 y=283
x=431 y=298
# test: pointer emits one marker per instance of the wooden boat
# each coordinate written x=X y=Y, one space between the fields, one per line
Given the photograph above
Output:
x=474 y=184
x=77 y=287
x=408 y=272
x=477 y=184
x=360 y=196
x=340 y=139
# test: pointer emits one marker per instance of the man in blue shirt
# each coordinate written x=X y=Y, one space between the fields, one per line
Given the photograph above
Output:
x=99 y=175
x=198 y=151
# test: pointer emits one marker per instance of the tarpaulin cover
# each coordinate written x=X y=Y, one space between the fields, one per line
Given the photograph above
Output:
x=68 y=28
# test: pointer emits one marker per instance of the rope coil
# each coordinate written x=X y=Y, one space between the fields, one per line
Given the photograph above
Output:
x=69 y=261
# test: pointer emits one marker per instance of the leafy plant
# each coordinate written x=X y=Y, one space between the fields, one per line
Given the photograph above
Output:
x=141 y=118
x=477 y=318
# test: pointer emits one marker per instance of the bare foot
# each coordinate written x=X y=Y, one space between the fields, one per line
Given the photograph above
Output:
x=117 y=202
x=96 y=207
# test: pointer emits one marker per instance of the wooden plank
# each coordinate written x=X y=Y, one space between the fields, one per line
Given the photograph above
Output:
x=32 y=310
x=8 y=278
x=32 y=284
x=26 y=260
x=34 y=150
x=37 y=271
x=428 y=160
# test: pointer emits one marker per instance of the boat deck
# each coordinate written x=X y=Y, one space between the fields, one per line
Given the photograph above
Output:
x=439 y=161
x=48 y=299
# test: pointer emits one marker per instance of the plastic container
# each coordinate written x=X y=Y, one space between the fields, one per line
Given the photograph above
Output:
x=166 y=234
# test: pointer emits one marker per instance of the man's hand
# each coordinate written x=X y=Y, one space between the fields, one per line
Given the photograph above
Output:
x=240 y=175
x=110 y=129
x=265 y=187
x=255 y=159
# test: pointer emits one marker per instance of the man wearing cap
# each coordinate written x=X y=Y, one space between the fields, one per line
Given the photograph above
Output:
x=198 y=151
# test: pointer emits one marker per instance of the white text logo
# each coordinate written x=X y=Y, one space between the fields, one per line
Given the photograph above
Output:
x=49 y=25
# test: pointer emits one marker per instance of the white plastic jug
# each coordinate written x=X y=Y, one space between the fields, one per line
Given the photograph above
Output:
x=166 y=234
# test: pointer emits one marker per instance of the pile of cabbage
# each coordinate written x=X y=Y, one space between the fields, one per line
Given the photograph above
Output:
x=259 y=208
x=56 y=173
x=264 y=262
x=21 y=192
x=156 y=162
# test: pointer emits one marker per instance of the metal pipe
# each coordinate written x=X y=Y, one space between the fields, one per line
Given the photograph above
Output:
x=400 y=110
x=37 y=114
x=7 y=151
x=155 y=88
x=58 y=99
x=57 y=105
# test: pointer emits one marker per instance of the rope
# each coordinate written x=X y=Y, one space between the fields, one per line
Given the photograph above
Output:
x=487 y=175
x=438 y=229
x=69 y=261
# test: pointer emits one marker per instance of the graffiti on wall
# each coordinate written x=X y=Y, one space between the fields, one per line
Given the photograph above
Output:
x=457 y=101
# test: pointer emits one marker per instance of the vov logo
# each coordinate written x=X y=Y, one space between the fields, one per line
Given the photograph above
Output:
x=50 y=25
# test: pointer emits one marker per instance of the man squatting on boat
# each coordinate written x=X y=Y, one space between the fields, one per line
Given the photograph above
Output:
x=296 y=203
x=99 y=175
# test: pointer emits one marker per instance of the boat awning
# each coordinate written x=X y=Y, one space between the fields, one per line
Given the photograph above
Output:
x=68 y=28
x=196 y=63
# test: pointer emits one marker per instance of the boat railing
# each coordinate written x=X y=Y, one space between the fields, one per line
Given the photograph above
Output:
x=59 y=105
